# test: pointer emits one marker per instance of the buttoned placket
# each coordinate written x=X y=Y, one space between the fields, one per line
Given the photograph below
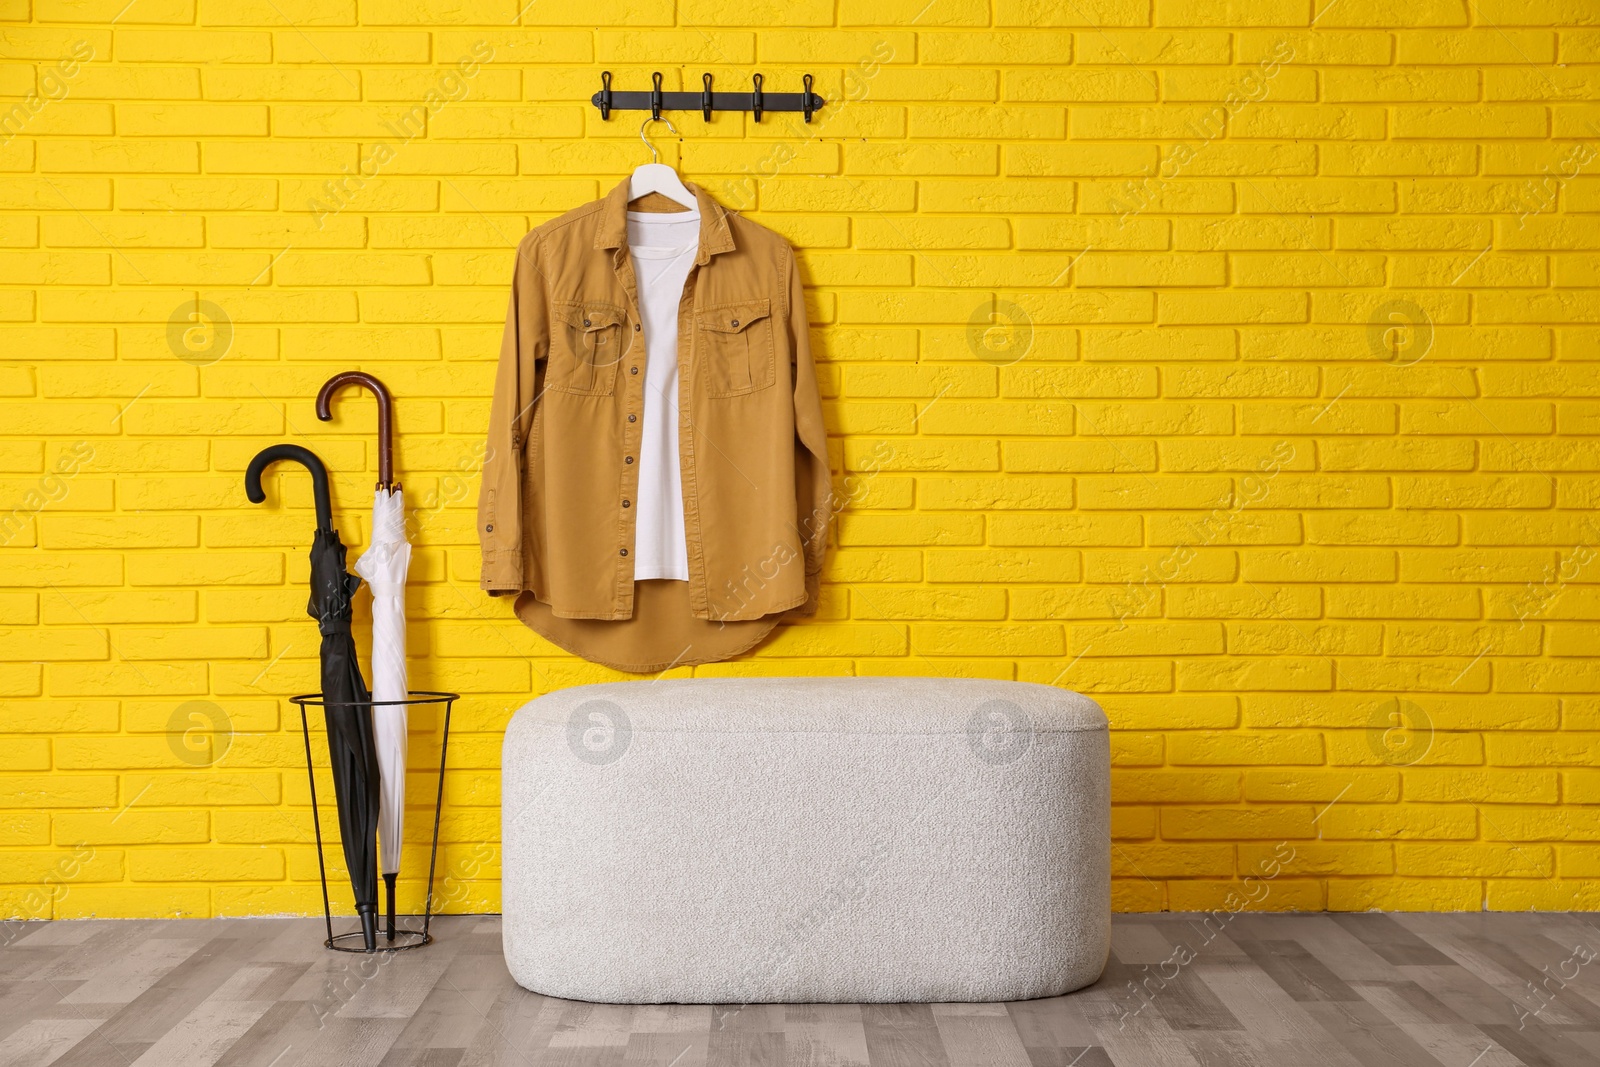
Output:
x=632 y=429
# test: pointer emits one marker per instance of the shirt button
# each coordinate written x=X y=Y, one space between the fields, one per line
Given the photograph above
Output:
x=586 y=322
x=489 y=528
x=633 y=418
x=734 y=323
x=633 y=370
x=626 y=504
x=637 y=327
x=628 y=460
x=624 y=552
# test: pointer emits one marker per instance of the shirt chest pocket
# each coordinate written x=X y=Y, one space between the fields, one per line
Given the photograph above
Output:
x=586 y=343
x=735 y=346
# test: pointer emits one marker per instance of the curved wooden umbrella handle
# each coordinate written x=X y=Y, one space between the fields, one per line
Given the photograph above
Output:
x=385 y=417
x=319 y=478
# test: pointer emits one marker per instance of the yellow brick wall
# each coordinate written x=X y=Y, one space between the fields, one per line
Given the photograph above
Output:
x=1233 y=362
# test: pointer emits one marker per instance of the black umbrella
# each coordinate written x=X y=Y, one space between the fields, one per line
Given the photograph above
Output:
x=346 y=702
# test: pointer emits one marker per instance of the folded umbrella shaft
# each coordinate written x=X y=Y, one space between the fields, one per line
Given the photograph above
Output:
x=352 y=751
x=384 y=566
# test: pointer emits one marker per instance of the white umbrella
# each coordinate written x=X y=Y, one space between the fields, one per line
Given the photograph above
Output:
x=384 y=566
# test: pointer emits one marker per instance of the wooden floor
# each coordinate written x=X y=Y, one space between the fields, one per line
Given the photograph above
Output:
x=1473 y=990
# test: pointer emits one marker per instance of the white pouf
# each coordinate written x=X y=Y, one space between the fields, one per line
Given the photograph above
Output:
x=730 y=841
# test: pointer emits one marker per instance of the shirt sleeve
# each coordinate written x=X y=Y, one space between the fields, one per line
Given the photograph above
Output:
x=814 y=499
x=522 y=348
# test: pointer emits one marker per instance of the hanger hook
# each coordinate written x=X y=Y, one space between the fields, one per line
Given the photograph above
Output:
x=655 y=156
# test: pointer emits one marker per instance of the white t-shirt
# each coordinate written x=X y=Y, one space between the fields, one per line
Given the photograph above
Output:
x=663 y=247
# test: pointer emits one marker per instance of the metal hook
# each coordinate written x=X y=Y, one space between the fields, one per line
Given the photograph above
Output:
x=705 y=97
x=655 y=156
x=655 y=95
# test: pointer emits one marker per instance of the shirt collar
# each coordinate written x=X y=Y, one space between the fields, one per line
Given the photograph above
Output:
x=715 y=236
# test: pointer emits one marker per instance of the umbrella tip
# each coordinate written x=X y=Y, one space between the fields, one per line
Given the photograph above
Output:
x=369 y=926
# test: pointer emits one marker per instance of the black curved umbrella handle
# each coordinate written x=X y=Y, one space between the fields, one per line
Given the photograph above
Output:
x=319 y=478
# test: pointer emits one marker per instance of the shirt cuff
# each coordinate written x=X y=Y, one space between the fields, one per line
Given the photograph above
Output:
x=500 y=580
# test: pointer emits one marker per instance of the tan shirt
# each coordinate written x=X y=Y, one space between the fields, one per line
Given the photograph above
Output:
x=556 y=516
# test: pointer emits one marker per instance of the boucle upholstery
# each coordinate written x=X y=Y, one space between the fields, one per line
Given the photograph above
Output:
x=806 y=840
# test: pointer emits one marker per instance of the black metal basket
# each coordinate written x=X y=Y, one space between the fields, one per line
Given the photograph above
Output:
x=412 y=938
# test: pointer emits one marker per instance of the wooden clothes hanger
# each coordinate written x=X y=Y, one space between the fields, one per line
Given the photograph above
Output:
x=656 y=183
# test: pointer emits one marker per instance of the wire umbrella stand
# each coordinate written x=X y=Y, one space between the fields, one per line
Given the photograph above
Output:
x=397 y=940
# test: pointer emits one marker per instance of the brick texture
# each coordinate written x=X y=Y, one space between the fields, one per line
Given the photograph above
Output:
x=1233 y=363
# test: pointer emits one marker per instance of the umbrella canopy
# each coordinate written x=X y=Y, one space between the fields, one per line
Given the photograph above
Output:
x=384 y=565
x=352 y=753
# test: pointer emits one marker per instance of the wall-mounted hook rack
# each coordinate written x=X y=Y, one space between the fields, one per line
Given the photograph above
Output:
x=758 y=101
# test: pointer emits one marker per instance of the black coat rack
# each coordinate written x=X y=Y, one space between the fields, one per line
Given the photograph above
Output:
x=655 y=101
